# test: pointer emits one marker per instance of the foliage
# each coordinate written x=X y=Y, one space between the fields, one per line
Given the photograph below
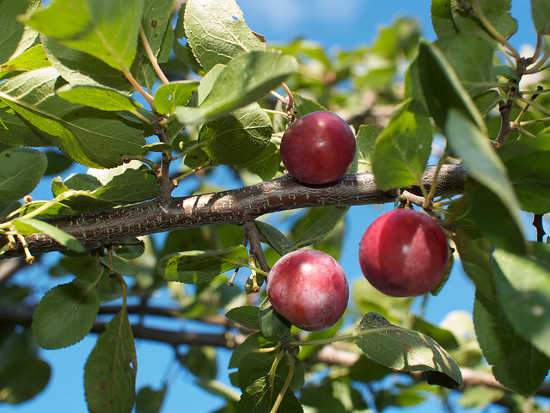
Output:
x=148 y=93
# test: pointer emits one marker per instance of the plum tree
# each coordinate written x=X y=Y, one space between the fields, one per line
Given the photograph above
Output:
x=309 y=288
x=164 y=167
x=404 y=253
x=318 y=148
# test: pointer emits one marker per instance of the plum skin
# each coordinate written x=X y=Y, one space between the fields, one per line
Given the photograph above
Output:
x=318 y=148
x=308 y=288
x=404 y=253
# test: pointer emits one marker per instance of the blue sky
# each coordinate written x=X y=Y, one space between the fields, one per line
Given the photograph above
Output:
x=336 y=24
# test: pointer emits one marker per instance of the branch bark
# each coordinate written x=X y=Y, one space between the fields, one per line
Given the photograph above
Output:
x=330 y=354
x=107 y=227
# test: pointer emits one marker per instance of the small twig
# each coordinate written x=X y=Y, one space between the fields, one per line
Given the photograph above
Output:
x=163 y=173
x=176 y=179
x=537 y=52
x=285 y=387
x=526 y=107
x=29 y=258
x=128 y=75
x=411 y=198
x=505 y=127
x=433 y=186
x=538 y=67
x=289 y=101
x=152 y=57
x=253 y=236
x=539 y=226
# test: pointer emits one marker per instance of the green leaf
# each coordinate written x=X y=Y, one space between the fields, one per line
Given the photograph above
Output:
x=33 y=226
x=149 y=400
x=88 y=136
x=167 y=97
x=65 y=315
x=248 y=316
x=110 y=371
x=305 y=105
x=20 y=171
x=482 y=163
x=201 y=361
x=79 y=68
x=23 y=380
x=516 y=363
x=133 y=185
x=336 y=396
x=198 y=267
x=32 y=58
x=97 y=97
x=450 y=18
x=540 y=10
x=237 y=139
x=15 y=131
x=315 y=225
x=217 y=32
x=402 y=149
x=406 y=350
x=479 y=397
x=156 y=19
x=443 y=336
x=442 y=89
x=14 y=37
x=245 y=79
x=366 y=139
x=275 y=238
x=523 y=288
x=273 y=325
x=368 y=299
x=57 y=163
x=106 y=29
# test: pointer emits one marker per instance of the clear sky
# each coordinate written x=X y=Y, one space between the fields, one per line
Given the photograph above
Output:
x=336 y=24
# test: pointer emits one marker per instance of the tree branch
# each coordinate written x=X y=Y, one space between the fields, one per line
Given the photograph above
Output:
x=9 y=268
x=330 y=354
x=107 y=227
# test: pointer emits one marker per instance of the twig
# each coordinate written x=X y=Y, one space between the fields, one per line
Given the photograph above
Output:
x=539 y=226
x=152 y=57
x=505 y=128
x=253 y=236
x=163 y=173
x=135 y=84
x=9 y=268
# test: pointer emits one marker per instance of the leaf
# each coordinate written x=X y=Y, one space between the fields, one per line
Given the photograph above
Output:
x=305 y=105
x=245 y=79
x=479 y=397
x=368 y=299
x=402 y=149
x=482 y=163
x=20 y=171
x=110 y=371
x=149 y=400
x=30 y=59
x=97 y=97
x=442 y=89
x=79 y=68
x=443 y=336
x=540 y=10
x=27 y=226
x=167 y=97
x=248 y=316
x=516 y=364
x=217 y=32
x=106 y=29
x=88 y=136
x=23 y=380
x=523 y=289
x=315 y=225
x=201 y=361
x=450 y=18
x=237 y=139
x=198 y=267
x=14 y=37
x=406 y=350
x=133 y=185
x=15 y=131
x=275 y=238
x=65 y=315
x=273 y=325
x=156 y=19
x=366 y=139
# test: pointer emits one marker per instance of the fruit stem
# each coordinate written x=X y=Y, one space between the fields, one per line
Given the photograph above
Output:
x=286 y=385
x=151 y=56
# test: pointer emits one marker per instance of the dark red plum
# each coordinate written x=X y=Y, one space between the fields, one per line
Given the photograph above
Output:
x=404 y=253
x=309 y=289
x=318 y=148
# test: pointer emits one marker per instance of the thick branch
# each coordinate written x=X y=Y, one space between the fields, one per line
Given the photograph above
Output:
x=331 y=355
x=237 y=206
